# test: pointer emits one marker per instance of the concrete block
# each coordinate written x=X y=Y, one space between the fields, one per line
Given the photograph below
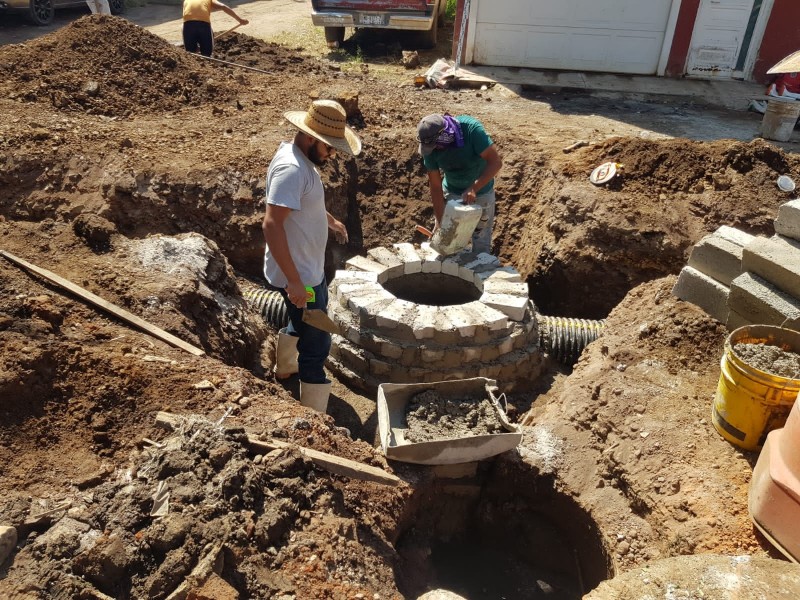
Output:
x=462 y=320
x=8 y=541
x=788 y=222
x=424 y=324
x=387 y=257
x=514 y=307
x=718 y=258
x=471 y=353
x=776 y=259
x=369 y=303
x=410 y=257
x=431 y=259
x=504 y=273
x=362 y=263
x=703 y=291
x=733 y=235
x=345 y=276
x=343 y=291
x=450 y=266
x=490 y=318
x=379 y=368
x=431 y=355
x=391 y=350
x=394 y=314
x=500 y=286
x=483 y=262
x=735 y=320
x=758 y=301
x=353 y=334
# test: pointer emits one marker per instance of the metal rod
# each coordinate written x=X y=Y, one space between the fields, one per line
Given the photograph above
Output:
x=232 y=64
x=461 y=33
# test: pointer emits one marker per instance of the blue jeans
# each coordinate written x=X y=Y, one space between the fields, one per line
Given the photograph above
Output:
x=313 y=345
x=482 y=237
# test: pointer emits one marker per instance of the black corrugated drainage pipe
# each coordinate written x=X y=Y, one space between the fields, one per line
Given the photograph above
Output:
x=564 y=339
x=270 y=304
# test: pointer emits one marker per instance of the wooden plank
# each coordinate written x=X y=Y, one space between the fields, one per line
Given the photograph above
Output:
x=105 y=305
x=331 y=463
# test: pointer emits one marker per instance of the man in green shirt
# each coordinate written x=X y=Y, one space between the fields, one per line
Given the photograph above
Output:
x=461 y=161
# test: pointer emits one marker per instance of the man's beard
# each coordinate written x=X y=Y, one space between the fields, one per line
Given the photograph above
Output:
x=315 y=157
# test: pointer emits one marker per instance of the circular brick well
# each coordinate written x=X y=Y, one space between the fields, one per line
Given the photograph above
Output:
x=408 y=314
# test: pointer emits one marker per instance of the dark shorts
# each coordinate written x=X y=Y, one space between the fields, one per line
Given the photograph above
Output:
x=197 y=36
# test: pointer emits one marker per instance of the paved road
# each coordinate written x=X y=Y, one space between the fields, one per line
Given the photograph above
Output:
x=267 y=19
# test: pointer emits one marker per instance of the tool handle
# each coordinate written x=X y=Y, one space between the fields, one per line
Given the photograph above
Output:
x=424 y=231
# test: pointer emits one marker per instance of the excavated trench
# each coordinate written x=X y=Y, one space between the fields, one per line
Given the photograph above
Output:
x=500 y=531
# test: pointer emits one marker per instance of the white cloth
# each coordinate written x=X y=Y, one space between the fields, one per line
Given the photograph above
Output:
x=294 y=182
x=99 y=7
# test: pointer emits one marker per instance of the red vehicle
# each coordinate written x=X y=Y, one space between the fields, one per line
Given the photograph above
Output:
x=424 y=16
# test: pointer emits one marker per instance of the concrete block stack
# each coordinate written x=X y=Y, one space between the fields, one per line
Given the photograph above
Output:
x=386 y=339
x=740 y=279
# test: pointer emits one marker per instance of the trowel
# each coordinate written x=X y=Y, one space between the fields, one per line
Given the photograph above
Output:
x=319 y=319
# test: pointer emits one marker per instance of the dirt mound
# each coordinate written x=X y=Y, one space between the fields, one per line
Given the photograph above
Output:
x=108 y=66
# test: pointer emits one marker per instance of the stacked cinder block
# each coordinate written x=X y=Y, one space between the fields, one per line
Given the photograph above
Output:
x=385 y=339
x=740 y=279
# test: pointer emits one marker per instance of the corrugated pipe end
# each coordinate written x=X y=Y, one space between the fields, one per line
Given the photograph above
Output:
x=564 y=339
x=270 y=304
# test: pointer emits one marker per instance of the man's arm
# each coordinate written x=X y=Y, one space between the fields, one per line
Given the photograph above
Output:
x=275 y=236
x=217 y=5
x=493 y=165
x=437 y=196
x=338 y=228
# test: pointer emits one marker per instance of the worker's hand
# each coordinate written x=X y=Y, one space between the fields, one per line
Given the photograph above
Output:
x=339 y=231
x=468 y=197
x=297 y=293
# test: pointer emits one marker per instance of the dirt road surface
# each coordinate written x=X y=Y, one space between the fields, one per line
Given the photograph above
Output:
x=138 y=174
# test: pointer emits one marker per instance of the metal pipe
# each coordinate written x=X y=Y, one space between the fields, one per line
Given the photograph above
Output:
x=564 y=339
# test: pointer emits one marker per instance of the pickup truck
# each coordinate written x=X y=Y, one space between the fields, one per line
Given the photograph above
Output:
x=423 y=16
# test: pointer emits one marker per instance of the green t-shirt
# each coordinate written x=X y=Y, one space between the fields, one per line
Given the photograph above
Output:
x=460 y=167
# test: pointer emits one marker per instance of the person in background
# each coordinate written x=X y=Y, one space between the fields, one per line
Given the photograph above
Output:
x=461 y=161
x=197 y=33
x=295 y=229
x=99 y=7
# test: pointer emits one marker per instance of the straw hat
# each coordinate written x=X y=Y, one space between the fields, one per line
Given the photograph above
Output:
x=326 y=121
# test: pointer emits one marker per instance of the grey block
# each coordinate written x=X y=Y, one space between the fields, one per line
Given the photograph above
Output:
x=704 y=291
x=788 y=222
x=735 y=320
x=717 y=257
x=776 y=259
x=758 y=301
x=733 y=235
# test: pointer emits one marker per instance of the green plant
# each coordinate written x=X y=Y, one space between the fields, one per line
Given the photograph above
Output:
x=450 y=9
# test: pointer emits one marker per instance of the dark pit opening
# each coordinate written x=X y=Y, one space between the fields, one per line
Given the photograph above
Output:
x=504 y=532
x=433 y=289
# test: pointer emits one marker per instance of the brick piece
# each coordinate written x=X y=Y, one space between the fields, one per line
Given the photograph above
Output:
x=718 y=258
x=431 y=259
x=788 y=222
x=757 y=301
x=412 y=262
x=514 y=307
x=486 y=316
x=424 y=324
x=505 y=273
x=703 y=291
x=776 y=259
x=462 y=320
x=394 y=315
x=511 y=288
x=387 y=257
x=362 y=263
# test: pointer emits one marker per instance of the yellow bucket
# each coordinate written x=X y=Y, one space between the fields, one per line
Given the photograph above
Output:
x=749 y=402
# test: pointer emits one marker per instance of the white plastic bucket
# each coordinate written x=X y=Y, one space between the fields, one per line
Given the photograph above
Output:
x=779 y=119
x=458 y=224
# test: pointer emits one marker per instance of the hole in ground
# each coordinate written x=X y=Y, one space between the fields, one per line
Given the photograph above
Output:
x=503 y=532
x=433 y=289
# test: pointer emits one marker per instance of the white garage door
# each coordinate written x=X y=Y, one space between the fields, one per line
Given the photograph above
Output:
x=620 y=36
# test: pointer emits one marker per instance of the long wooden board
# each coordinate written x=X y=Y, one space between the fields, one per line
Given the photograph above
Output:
x=105 y=305
x=331 y=463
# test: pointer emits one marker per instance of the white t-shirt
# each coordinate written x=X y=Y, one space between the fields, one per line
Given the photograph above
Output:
x=294 y=182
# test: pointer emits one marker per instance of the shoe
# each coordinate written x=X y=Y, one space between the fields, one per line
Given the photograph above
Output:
x=759 y=106
x=285 y=355
x=315 y=395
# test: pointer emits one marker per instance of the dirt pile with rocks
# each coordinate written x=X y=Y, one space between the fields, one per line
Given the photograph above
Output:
x=147 y=190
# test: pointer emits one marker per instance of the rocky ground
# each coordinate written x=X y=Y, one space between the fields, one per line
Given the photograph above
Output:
x=136 y=171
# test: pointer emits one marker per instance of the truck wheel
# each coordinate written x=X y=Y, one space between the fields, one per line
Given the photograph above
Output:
x=41 y=12
x=117 y=6
x=334 y=36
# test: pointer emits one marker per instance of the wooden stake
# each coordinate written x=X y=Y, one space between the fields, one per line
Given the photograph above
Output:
x=105 y=305
x=333 y=464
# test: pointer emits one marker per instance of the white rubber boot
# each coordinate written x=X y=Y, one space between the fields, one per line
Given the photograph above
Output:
x=285 y=355
x=315 y=395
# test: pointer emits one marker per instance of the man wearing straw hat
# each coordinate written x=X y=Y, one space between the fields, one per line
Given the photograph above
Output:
x=295 y=228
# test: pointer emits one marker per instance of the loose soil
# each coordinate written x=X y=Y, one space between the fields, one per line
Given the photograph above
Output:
x=137 y=172
x=432 y=416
